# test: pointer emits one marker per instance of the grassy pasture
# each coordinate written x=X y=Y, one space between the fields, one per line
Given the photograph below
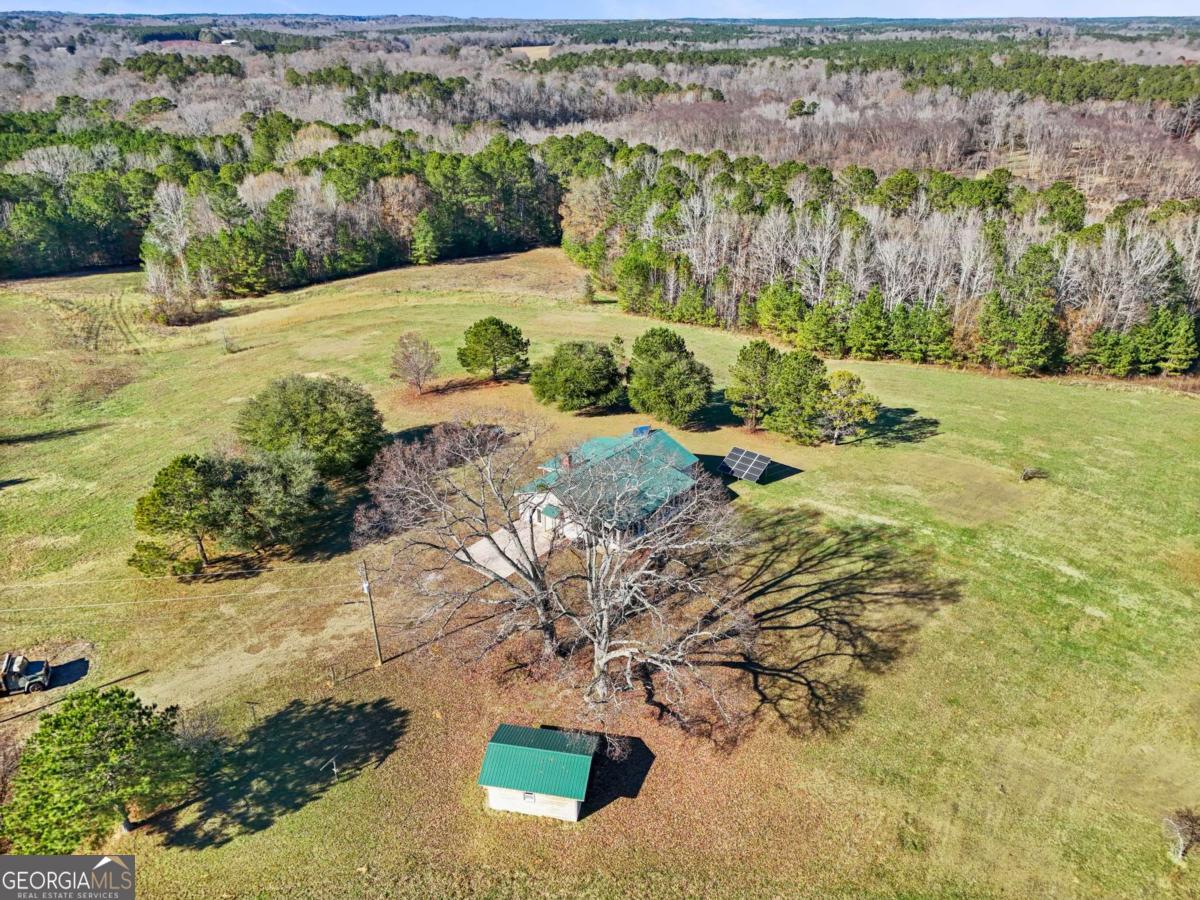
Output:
x=1030 y=716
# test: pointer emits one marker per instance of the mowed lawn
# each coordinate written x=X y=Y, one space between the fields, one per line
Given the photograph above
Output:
x=1032 y=714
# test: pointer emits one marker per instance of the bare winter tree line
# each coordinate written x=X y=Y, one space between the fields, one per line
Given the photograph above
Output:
x=920 y=256
x=1110 y=149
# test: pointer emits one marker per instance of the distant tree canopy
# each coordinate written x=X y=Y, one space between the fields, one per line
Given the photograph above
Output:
x=801 y=108
x=648 y=88
x=376 y=81
x=178 y=68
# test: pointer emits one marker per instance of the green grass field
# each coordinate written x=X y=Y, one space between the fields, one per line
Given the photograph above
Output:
x=1034 y=717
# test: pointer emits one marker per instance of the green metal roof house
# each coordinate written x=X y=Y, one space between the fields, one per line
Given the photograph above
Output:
x=624 y=480
x=538 y=771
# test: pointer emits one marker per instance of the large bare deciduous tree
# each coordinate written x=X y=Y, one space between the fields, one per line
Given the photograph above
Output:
x=451 y=501
x=628 y=586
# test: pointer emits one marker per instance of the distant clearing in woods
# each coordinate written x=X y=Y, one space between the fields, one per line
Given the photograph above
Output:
x=537 y=51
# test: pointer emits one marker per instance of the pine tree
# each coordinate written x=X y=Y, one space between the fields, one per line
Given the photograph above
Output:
x=424 y=240
x=1037 y=339
x=492 y=345
x=1182 y=350
x=189 y=500
x=89 y=766
x=1151 y=340
x=939 y=333
x=995 y=331
x=665 y=379
x=867 y=330
x=1111 y=352
x=904 y=333
x=750 y=381
x=779 y=308
x=820 y=331
x=795 y=395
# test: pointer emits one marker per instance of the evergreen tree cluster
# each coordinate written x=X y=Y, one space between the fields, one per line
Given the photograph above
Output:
x=375 y=81
x=176 y=68
x=793 y=393
x=299 y=431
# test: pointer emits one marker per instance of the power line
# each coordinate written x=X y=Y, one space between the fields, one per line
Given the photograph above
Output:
x=36 y=585
x=182 y=599
x=138 y=617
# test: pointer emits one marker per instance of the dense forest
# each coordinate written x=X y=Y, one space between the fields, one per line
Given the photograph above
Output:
x=923 y=266
x=971 y=224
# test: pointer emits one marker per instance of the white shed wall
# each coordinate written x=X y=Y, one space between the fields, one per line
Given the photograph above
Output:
x=507 y=800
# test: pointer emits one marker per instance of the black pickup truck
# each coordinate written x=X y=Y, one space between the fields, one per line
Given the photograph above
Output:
x=20 y=675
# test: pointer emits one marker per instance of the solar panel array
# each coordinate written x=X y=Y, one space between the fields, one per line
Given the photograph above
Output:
x=745 y=464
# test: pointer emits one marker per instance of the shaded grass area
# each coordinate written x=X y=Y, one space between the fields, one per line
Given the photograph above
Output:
x=285 y=761
x=1005 y=671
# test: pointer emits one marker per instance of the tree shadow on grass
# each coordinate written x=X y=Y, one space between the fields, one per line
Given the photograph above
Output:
x=478 y=260
x=461 y=383
x=814 y=608
x=452 y=385
x=830 y=602
x=286 y=761
x=717 y=414
x=330 y=532
x=38 y=437
x=899 y=425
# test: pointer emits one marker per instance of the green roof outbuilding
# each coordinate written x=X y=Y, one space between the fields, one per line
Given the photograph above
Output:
x=539 y=760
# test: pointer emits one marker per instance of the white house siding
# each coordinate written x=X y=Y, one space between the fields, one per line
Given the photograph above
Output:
x=507 y=800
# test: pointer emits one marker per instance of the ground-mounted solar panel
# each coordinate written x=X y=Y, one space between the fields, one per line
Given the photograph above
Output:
x=745 y=464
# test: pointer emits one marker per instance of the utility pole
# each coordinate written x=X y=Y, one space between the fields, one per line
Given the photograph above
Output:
x=366 y=587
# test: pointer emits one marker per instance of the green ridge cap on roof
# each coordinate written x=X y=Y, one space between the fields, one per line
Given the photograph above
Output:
x=540 y=760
